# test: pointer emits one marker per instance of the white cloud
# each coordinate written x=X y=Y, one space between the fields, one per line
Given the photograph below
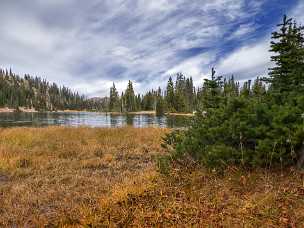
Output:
x=252 y=60
x=248 y=61
x=99 y=86
x=160 y=5
x=197 y=67
x=242 y=30
x=88 y=44
x=297 y=12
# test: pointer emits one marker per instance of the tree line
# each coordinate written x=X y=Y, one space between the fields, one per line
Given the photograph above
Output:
x=180 y=96
x=259 y=124
x=37 y=93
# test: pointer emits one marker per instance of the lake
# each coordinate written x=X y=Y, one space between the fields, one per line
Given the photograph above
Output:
x=90 y=119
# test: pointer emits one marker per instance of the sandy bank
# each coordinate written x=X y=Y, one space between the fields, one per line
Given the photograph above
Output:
x=20 y=109
x=180 y=114
x=4 y=110
x=28 y=110
x=149 y=113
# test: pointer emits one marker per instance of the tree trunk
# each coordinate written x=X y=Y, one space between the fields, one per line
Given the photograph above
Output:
x=300 y=162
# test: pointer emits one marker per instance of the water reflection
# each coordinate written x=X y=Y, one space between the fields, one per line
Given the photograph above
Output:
x=90 y=119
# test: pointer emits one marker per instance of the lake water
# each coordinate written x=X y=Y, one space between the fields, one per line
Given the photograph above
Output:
x=90 y=119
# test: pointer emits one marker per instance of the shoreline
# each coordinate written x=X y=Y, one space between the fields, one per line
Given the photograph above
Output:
x=150 y=113
x=27 y=110
x=20 y=109
x=180 y=114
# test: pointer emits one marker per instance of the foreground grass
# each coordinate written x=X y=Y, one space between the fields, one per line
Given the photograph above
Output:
x=108 y=177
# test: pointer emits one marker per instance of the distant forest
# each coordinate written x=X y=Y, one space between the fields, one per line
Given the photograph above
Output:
x=34 y=92
x=180 y=96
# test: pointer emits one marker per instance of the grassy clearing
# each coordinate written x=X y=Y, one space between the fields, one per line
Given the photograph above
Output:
x=108 y=177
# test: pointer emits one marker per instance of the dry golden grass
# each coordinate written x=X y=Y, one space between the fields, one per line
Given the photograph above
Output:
x=75 y=177
x=52 y=176
x=196 y=198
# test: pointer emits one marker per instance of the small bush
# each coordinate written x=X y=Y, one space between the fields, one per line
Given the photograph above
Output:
x=257 y=135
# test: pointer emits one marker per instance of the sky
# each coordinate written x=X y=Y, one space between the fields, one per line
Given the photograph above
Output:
x=88 y=45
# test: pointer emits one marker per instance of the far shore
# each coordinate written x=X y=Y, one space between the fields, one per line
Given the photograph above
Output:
x=20 y=109
x=32 y=110
x=149 y=113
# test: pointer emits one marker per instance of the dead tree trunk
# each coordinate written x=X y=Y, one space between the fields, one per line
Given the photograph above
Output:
x=300 y=162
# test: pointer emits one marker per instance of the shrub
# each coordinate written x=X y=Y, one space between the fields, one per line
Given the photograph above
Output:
x=252 y=126
x=242 y=133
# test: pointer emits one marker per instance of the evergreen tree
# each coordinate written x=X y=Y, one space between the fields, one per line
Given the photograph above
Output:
x=160 y=106
x=246 y=90
x=122 y=103
x=138 y=102
x=114 y=104
x=210 y=94
x=190 y=95
x=251 y=125
x=258 y=88
x=130 y=100
x=231 y=88
x=170 y=96
x=180 y=93
x=148 y=101
x=287 y=45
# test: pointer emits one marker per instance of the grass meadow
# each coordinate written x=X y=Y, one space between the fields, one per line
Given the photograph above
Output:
x=93 y=177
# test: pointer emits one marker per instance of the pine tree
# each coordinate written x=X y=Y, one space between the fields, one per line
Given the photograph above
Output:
x=258 y=88
x=211 y=92
x=287 y=44
x=130 y=100
x=138 y=102
x=231 y=88
x=170 y=96
x=114 y=103
x=148 y=101
x=160 y=106
x=122 y=102
x=246 y=89
x=190 y=94
x=180 y=101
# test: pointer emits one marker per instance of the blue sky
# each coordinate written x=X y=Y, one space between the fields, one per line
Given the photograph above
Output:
x=87 y=45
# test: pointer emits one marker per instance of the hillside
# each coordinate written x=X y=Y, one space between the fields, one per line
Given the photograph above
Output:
x=34 y=92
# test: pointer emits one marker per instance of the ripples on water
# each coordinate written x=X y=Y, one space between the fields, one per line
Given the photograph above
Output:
x=75 y=119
